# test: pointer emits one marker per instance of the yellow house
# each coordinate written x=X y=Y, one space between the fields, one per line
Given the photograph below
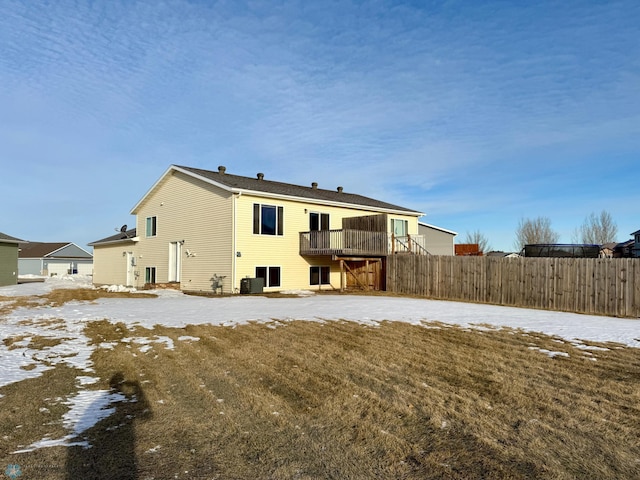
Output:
x=212 y=231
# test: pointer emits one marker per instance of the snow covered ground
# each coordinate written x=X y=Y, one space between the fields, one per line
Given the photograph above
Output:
x=174 y=309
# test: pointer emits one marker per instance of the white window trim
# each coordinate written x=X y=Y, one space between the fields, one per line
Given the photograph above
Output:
x=279 y=220
x=155 y=274
x=154 y=224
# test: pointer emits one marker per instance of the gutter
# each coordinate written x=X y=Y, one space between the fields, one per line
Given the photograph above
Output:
x=113 y=242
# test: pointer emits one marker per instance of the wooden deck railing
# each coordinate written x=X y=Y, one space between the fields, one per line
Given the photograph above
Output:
x=416 y=244
x=344 y=242
x=359 y=242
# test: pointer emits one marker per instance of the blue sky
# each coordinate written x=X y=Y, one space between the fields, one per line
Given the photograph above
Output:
x=476 y=113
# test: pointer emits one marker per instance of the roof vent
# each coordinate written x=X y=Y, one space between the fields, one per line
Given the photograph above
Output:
x=260 y=176
x=222 y=169
x=314 y=185
x=339 y=189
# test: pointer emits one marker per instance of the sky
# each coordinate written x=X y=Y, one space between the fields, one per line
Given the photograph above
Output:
x=575 y=333
x=479 y=114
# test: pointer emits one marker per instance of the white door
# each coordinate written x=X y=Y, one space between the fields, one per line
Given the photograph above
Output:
x=175 y=256
x=399 y=227
x=131 y=265
x=319 y=222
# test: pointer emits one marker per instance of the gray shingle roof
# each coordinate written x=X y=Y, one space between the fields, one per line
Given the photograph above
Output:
x=287 y=189
x=9 y=238
x=120 y=236
x=41 y=249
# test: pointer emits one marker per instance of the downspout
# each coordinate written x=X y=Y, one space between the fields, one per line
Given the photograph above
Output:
x=234 y=209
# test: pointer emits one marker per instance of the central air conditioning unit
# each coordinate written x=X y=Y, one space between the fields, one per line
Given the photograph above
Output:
x=251 y=285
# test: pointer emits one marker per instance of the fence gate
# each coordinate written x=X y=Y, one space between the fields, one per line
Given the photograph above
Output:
x=362 y=274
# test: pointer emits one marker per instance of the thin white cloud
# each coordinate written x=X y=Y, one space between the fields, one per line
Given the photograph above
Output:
x=439 y=99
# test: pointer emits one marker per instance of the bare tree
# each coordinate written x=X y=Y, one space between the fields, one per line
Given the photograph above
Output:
x=479 y=238
x=537 y=230
x=597 y=229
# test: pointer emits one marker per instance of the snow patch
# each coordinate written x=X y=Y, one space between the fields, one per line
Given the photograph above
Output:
x=549 y=352
x=298 y=293
x=188 y=338
x=87 y=408
x=117 y=288
x=146 y=342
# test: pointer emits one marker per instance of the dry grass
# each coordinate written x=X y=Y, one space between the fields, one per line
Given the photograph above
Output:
x=339 y=400
x=58 y=297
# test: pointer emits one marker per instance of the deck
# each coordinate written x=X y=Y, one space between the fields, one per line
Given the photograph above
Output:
x=358 y=243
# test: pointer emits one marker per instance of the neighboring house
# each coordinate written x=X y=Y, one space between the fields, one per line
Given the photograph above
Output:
x=635 y=250
x=45 y=258
x=562 y=250
x=114 y=260
x=438 y=241
x=202 y=230
x=606 y=250
x=624 y=249
x=468 y=250
x=9 y=247
x=501 y=254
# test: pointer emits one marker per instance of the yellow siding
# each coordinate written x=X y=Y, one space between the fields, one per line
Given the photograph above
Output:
x=110 y=263
x=283 y=251
x=197 y=213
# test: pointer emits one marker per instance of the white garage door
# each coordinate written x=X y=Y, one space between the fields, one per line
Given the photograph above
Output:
x=58 y=268
x=85 y=268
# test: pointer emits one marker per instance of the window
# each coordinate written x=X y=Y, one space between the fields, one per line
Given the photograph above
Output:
x=267 y=219
x=150 y=274
x=318 y=221
x=399 y=227
x=270 y=275
x=152 y=223
x=319 y=276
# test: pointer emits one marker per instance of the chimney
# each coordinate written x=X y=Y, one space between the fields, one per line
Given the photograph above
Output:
x=222 y=169
x=314 y=185
x=260 y=176
x=339 y=189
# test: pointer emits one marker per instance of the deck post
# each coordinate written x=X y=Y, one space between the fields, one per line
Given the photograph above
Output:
x=366 y=263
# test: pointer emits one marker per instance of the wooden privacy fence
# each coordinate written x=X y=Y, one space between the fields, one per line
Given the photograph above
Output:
x=600 y=286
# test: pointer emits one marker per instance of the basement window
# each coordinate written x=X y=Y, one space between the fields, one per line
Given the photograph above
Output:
x=319 y=275
x=270 y=275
